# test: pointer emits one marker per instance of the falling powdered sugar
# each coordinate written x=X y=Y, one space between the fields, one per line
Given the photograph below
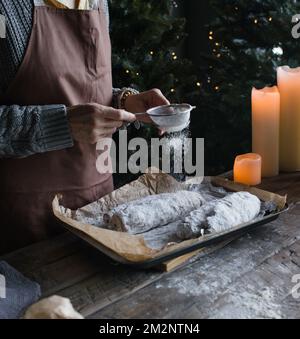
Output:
x=176 y=147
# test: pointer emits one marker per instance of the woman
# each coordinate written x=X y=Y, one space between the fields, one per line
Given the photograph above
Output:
x=56 y=70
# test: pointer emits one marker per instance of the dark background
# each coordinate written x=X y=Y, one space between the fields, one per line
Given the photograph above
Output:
x=198 y=15
x=209 y=53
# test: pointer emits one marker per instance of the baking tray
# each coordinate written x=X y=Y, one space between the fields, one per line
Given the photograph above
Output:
x=185 y=247
x=203 y=242
x=233 y=233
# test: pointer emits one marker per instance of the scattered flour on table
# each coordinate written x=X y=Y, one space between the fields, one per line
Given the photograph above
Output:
x=238 y=304
x=248 y=305
x=184 y=286
x=214 y=272
x=215 y=281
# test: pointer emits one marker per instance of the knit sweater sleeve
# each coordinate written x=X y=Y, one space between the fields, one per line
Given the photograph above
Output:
x=25 y=130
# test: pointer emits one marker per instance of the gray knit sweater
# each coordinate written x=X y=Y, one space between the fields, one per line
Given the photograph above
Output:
x=32 y=129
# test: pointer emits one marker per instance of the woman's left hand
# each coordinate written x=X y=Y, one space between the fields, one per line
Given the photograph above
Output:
x=140 y=103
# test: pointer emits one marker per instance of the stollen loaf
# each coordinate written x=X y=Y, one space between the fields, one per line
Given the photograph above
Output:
x=152 y=211
x=220 y=215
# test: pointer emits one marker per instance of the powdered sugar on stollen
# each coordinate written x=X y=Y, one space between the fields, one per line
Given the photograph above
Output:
x=152 y=211
x=221 y=215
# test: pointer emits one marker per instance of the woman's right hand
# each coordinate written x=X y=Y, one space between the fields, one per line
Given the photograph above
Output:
x=91 y=122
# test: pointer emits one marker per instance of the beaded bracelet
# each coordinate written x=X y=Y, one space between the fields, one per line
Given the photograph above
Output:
x=125 y=94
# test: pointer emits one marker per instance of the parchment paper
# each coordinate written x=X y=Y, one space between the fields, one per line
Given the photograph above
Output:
x=132 y=248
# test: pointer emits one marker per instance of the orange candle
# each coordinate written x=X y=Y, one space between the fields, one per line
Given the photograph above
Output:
x=247 y=169
x=265 y=128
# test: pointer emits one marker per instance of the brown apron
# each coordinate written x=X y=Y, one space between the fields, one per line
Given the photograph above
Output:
x=68 y=61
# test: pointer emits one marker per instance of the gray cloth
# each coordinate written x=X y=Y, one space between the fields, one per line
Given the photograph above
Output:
x=20 y=292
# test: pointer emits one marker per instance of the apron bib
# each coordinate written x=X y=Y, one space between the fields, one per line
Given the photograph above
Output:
x=68 y=61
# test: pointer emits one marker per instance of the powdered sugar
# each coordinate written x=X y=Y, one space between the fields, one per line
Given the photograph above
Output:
x=152 y=211
x=163 y=235
x=220 y=215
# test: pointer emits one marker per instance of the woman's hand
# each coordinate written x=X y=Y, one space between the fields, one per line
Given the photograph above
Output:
x=140 y=103
x=91 y=122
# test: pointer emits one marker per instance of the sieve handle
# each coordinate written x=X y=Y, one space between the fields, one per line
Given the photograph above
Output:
x=141 y=115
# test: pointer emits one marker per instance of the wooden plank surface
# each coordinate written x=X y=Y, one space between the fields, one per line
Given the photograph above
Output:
x=172 y=264
x=196 y=288
x=251 y=277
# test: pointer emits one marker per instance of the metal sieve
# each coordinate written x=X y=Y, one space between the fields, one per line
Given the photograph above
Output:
x=171 y=118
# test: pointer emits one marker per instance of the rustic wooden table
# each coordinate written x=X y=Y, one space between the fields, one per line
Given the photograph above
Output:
x=251 y=277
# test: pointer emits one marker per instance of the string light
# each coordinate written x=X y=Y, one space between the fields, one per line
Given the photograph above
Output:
x=217 y=44
x=175 y=57
x=210 y=38
x=270 y=19
x=174 y=3
x=217 y=88
x=127 y=71
x=198 y=84
x=137 y=73
x=172 y=90
x=219 y=55
x=255 y=21
x=277 y=50
x=151 y=52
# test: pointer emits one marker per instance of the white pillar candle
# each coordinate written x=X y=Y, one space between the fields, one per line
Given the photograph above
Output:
x=265 y=128
x=289 y=89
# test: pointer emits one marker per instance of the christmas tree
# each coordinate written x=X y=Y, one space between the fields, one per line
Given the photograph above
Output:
x=146 y=36
x=146 y=40
x=249 y=39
